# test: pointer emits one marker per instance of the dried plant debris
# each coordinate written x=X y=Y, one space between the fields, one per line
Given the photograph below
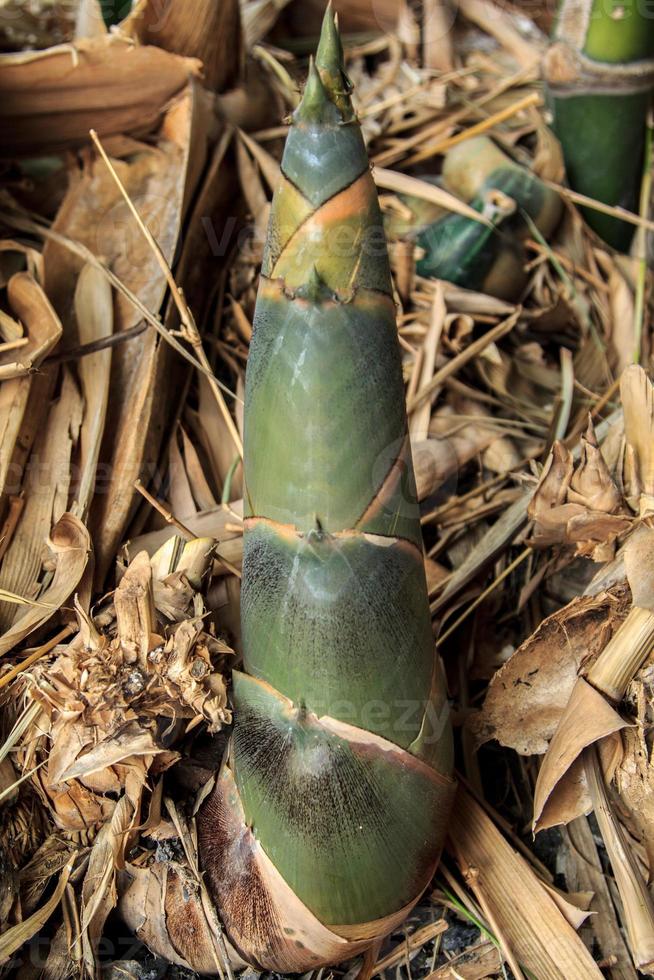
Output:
x=530 y=411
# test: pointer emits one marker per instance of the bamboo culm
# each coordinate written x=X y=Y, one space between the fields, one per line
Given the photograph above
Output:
x=599 y=71
x=327 y=819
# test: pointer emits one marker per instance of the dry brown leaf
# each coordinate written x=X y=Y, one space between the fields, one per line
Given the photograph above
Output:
x=161 y=904
x=99 y=895
x=637 y=396
x=46 y=488
x=51 y=99
x=561 y=793
x=205 y=30
x=14 y=938
x=159 y=180
x=42 y=325
x=622 y=336
x=528 y=695
x=94 y=317
x=13 y=402
x=582 y=868
x=70 y=547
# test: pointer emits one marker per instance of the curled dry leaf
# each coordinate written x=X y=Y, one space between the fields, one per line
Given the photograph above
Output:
x=42 y=326
x=94 y=316
x=161 y=904
x=205 y=30
x=99 y=895
x=580 y=505
x=561 y=792
x=46 y=488
x=590 y=716
x=70 y=547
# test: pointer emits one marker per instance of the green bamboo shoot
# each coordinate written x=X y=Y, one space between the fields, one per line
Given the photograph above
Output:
x=600 y=73
x=328 y=817
x=468 y=253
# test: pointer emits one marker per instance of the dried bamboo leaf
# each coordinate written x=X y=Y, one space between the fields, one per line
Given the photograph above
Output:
x=637 y=904
x=162 y=906
x=180 y=495
x=99 y=895
x=94 y=317
x=637 y=396
x=46 y=497
x=159 y=181
x=561 y=793
x=535 y=929
x=205 y=30
x=14 y=938
x=528 y=695
x=128 y=744
x=70 y=545
x=33 y=309
x=13 y=402
x=583 y=869
x=51 y=99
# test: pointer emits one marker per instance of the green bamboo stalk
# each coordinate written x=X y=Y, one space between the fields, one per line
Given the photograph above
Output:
x=600 y=74
x=327 y=820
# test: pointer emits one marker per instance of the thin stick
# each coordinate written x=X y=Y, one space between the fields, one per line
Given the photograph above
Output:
x=170 y=518
x=471 y=351
x=189 y=325
x=33 y=657
x=589 y=202
x=167 y=515
x=84 y=350
x=480 y=598
x=637 y=903
x=19 y=221
x=533 y=99
x=16 y=344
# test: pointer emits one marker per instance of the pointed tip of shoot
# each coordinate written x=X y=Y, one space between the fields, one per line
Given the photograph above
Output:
x=329 y=56
x=315 y=105
x=330 y=62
